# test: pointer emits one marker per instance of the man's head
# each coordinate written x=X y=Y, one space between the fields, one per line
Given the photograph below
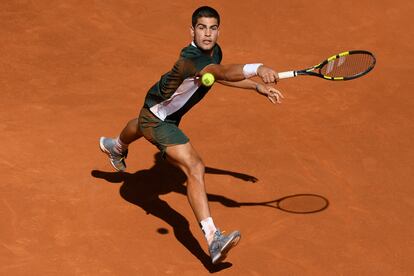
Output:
x=205 y=27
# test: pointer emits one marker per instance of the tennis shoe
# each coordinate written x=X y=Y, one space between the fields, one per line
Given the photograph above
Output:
x=117 y=160
x=221 y=245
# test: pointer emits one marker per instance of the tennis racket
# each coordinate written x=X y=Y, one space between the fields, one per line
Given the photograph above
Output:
x=344 y=66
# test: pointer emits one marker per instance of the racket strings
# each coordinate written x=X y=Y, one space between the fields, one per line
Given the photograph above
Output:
x=348 y=66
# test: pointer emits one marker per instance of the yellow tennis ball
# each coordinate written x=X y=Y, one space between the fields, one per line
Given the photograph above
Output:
x=207 y=79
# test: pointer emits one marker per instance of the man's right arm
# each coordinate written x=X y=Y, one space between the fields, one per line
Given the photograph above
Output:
x=238 y=72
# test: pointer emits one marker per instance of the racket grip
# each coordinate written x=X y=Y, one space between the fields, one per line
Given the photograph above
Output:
x=287 y=74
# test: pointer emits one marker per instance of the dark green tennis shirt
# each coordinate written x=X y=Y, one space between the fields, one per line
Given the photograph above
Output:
x=178 y=90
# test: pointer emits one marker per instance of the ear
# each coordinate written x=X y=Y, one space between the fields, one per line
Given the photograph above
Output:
x=192 y=32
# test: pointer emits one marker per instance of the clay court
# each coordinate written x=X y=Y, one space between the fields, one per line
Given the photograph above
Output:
x=72 y=71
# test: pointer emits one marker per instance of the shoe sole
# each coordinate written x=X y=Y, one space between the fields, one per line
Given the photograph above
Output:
x=104 y=150
x=226 y=248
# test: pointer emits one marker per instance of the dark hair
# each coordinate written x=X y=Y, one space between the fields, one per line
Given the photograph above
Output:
x=205 y=11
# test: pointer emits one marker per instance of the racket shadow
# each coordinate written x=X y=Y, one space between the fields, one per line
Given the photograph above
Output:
x=294 y=204
x=144 y=188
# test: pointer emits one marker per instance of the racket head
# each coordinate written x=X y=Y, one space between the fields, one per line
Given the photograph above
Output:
x=343 y=66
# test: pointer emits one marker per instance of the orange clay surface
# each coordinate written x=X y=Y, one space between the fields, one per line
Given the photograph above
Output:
x=72 y=71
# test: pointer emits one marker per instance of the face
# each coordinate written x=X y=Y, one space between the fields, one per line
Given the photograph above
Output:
x=205 y=33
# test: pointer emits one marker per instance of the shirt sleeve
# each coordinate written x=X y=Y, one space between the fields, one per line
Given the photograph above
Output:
x=182 y=69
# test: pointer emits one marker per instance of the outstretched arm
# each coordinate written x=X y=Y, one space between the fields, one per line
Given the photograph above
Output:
x=238 y=72
x=270 y=92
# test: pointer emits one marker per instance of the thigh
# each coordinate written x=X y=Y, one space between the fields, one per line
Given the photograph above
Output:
x=161 y=134
x=185 y=157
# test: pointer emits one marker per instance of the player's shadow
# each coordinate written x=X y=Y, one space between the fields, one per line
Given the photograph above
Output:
x=144 y=188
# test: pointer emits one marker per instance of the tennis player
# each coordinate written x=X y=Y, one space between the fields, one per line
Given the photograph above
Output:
x=174 y=95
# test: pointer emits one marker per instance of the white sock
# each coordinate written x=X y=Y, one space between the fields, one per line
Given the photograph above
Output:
x=208 y=227
x=120 y=147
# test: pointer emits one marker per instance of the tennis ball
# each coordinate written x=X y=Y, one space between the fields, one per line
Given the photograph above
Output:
x=207 y=79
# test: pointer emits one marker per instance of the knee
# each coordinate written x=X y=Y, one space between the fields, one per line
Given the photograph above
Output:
x=196 y=168
x=133 y=124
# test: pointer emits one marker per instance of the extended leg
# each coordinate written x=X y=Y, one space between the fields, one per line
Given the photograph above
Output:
x=185 y=157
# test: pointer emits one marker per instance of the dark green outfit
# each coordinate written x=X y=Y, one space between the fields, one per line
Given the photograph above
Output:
x=174 y=95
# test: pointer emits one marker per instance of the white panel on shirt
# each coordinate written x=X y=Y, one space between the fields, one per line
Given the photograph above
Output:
x=177 y=100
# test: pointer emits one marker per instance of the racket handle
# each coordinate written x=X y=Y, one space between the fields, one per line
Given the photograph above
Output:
x=287 y=74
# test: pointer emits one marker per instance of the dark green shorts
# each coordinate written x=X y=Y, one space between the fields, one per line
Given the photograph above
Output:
x=161 y=134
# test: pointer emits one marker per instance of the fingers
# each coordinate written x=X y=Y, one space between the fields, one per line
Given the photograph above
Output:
x=273 y=78
x=269 y=77
x=267 y=74
x=271 y=99
x=270 y=92
x=275 y=95
x=276 y=92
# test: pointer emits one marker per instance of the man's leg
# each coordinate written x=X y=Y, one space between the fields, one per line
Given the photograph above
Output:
x=131 y=132
x=117 y=148
x=185 y=157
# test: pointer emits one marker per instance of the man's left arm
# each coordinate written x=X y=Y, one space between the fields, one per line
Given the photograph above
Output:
x=270 y=92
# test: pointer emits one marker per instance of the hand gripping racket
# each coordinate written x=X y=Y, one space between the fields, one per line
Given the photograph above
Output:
x=344 y=66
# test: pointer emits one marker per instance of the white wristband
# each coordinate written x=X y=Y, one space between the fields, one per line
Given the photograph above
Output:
x=250 y=70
